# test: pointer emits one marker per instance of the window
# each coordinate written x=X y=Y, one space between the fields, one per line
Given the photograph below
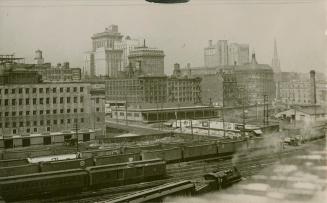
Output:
x=13 y=124
x=47 y=100
x=41 y=112
x=6 y=125
x=62 y=121
x=61 y=111
x=20 y=90
x=14 y=131
x=61 y=90
x=34 y=90
x=35 y=130
x=68 y=100
x=98 y=119
x=34 y=101
x=13 y=113
x=81 y=89
x=68 y=89
x=28 y=123
x=54 y=90
x=13 y=91
x=47 y=90
x=27 y=113
x=61 y=100
x=35 y=123
x=27 y=101
x=54 y=111
x=48 y=111
x=82 y=110
x=82 y=120
x=20 y=113
x=68 y=110
x=97 y=109
x=41 y=100
x=13 y=102
x=48 y=122
x=6 y=102
x=6 y=91
x=0 y=125
x=75 y=89
x=68 y=120
x=75 y=99
x=28 y=130
x=20 y=101
x=75 y=110
x=34 y=112
x=75 y=120
x=41 y=122
x=21 y=124
x=55 y=122
x=81 y=100
x=54 y=100
x=97 y=100
x=40 y=90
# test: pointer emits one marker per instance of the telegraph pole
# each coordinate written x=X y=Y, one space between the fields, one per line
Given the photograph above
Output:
x=243 y=109
x=222 y=110
x=76 y=132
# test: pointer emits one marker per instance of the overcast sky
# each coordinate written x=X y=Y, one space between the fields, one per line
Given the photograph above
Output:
x=62 y=29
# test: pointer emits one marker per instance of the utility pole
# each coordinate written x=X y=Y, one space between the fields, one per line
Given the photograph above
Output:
x=126 y=120
x=243 y=109
x=265 y=110
x=222 y=110
x=76 y=131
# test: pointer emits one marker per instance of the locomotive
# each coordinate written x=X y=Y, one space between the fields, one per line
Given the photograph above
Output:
x=223 y=179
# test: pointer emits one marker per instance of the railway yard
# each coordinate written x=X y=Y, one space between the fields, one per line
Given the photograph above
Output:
x=147 y=168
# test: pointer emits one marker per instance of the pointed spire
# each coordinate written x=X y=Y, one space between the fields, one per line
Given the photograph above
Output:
x=275 y=63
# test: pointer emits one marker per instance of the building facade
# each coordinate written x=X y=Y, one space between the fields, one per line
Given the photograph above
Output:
x=153 y=90
x=33 y=112
x=257 y=80
x=147 y=61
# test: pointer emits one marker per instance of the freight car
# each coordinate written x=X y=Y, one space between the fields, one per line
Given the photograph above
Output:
x=67 y=181
x=14 y=187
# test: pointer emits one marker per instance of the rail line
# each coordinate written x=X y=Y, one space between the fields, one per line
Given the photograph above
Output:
x=192 y=170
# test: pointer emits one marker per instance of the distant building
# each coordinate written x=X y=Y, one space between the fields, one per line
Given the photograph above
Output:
x=223 y=53
x=307 y=113
x=128 y=44
x=147 y=61
x=257 y=81
x=106 y=57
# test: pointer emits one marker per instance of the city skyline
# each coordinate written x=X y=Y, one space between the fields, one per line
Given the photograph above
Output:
x=298 y=28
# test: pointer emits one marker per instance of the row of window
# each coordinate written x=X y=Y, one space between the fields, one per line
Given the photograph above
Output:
x=35 y=101
x=42 y=112
x=41 y=123
x=40 y=90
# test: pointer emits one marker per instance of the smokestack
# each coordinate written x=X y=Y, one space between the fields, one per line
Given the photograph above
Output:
x=210 y=43
x=313 y=86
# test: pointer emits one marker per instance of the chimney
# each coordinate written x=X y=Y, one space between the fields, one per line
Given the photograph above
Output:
x=313 y=86
x=210 y=43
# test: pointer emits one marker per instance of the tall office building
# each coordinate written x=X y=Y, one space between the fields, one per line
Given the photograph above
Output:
x=106 y=57
x=223 y=53
x=147 y=61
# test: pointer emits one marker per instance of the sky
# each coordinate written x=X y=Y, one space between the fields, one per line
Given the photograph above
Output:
x=62 y=29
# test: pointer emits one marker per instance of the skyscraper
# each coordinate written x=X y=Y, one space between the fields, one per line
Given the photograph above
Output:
x=275 y=64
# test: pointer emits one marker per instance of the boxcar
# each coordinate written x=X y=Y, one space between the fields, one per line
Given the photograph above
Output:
x=13 y=162
x=16 y=187
x=155 y=170
x=225 y=148
x=119 y=174
x=104 y=160
x=168 y=155
x=199 y=151
x=19 y=170
x=103 y=152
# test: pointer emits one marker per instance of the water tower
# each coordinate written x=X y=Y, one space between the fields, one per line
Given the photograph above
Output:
x=38 y=57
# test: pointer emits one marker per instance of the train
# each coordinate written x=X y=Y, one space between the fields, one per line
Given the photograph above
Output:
x=223 y=179
x=73 y=180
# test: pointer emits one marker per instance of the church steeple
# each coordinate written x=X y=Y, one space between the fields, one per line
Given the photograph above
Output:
x=275 y=61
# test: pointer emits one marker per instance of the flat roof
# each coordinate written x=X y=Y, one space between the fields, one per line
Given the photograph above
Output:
x=51 y=158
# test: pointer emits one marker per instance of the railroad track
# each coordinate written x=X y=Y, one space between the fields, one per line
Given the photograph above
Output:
x=192 y=170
